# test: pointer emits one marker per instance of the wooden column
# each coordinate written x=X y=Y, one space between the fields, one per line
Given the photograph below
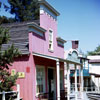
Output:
x=58 y=79
x=68 y=82
x=75 y=82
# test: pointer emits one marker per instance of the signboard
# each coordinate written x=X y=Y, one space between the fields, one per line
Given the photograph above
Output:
x=73 y=57
x=20 y=74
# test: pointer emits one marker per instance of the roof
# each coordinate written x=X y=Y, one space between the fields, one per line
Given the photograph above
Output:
x=22 y=47
x=18 y=32
x=96 y=75
x=44 y=2
x=56 y=58
x=60 y=39
x=94 y=61
x=32 y=24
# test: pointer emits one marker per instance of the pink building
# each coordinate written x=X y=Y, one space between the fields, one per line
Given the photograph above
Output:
x=41 y=65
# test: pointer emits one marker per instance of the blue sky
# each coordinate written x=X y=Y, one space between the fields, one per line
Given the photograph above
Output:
x=78 y=20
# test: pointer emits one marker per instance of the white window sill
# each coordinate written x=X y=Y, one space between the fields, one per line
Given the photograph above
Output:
x=50 y=50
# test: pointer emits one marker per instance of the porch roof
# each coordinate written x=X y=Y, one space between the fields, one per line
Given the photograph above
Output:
x=95 y=74
x=55 y=58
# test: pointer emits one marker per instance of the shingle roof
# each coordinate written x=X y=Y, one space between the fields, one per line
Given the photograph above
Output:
x=18 y=36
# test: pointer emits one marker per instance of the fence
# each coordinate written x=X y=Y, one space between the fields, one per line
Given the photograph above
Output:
x=9 y=92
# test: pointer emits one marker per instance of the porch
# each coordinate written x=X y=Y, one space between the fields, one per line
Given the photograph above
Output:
x=50 y=78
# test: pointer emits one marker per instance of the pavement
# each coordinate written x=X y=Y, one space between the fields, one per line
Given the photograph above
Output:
x=80 y=96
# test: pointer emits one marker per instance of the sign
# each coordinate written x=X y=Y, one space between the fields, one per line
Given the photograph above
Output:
x=73 y=57
x=20 y=74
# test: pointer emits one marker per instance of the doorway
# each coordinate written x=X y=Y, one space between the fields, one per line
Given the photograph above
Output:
x=51 y=84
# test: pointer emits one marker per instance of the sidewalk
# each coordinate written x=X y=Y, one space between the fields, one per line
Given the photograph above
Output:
x=79 y=96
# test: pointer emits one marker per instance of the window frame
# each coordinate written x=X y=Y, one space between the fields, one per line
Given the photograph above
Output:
x=43 y=68
x=51 y=40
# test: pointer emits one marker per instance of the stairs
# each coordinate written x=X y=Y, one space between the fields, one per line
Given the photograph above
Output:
x=93 y=96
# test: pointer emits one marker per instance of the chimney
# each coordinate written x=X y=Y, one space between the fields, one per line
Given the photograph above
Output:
x=75 y=44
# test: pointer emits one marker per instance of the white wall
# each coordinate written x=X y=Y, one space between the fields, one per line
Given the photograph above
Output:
x=94 y=68
x=93 y=57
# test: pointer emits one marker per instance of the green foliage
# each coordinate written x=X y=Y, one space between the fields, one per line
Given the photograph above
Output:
x=6 y=59
x=7 y=81
x=4 y=36
x=4 y=19
x=23 y=10
x=95 y=52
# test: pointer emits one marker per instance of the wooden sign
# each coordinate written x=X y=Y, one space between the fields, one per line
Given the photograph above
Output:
x=20 y=74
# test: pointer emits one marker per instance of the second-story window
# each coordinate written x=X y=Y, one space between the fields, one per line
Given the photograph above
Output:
x=50 y=40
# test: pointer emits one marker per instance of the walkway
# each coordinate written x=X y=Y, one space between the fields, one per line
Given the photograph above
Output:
x=80 y=96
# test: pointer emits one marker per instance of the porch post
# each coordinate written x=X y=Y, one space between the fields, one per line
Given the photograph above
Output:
x=65 y=75
x=75 y=82
x=82 y=82
x=98 y=84
x=58 y=79
x=3 y=96
x=82 y=79
x=68 y=82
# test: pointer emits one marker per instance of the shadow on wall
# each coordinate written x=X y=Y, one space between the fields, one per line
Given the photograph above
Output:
x=22 y=58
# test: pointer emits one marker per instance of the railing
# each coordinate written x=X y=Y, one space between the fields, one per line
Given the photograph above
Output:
x=50 y=96
x=10 y=92
x=86 y=89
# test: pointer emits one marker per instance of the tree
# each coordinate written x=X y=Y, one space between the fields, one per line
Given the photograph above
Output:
x=4 y=19
x=95 y=52
x=23 y=10
x=6 y=59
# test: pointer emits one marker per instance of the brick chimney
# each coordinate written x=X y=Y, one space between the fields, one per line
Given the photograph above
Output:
x=75 y=44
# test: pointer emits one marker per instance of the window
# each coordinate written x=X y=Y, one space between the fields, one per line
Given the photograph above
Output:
x=40 y=80
x=50 y=40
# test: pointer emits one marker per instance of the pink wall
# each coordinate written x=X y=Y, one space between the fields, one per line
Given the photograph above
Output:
x=41 y=45
x=27 y=84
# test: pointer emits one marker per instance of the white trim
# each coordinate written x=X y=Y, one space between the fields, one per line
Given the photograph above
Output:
x=51 y=67
x=45 y=56
x=52 y=43
x=41 y=11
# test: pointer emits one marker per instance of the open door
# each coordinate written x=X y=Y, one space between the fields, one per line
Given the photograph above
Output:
x=51 y=83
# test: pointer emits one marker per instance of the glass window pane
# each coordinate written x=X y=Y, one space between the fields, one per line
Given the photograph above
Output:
x=40 y=79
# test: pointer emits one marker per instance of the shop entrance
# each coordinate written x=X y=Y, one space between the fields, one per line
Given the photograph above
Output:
x=51 y=84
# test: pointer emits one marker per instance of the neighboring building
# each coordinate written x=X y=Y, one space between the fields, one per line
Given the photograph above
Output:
x=86 y=75
x=94 y=70
x=74 y=55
